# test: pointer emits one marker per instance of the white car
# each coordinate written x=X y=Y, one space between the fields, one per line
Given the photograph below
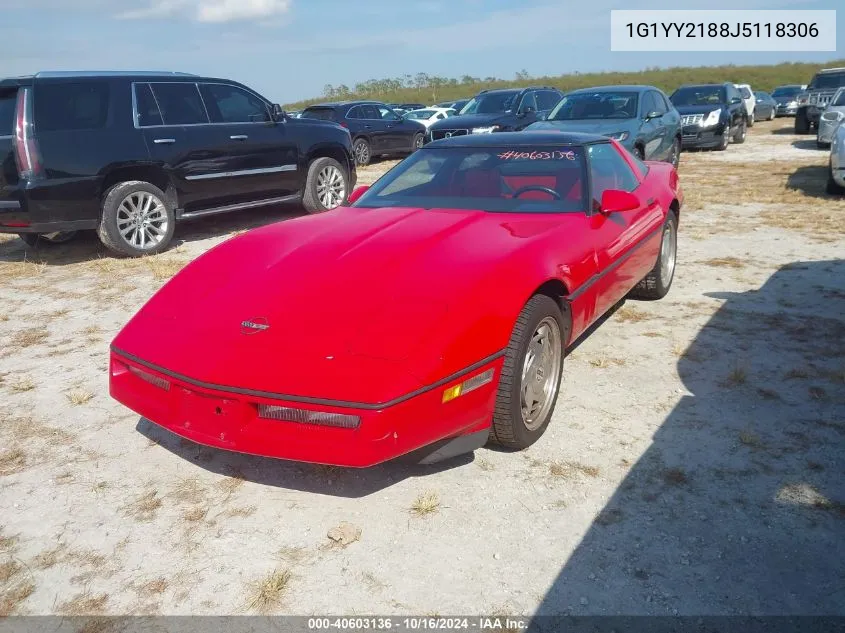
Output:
x=831 y=118
x=836 y=177
x=748 y=99
x=427 y=116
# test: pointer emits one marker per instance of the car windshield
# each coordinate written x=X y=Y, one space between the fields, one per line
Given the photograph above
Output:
x=537 y=179
x=420 y=114
x=325 y=114
x=827 y=81
x=761 y=95
x=490 y=103
x=787 y=91
x=596 y=105
x=698 y=96
x=839 y=98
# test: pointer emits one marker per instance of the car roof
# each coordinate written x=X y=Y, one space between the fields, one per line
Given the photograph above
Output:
x=831 y=70
x=344 y=104
x=621 y=88
x=722 y=85
x=524 y=138
x=102 y=74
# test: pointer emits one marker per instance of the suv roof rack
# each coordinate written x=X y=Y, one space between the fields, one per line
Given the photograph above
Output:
x=56 y=74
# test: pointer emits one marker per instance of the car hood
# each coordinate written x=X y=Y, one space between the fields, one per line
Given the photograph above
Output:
x=605 y=126
x=469 y=121
x=698 y=109
x=344 y=294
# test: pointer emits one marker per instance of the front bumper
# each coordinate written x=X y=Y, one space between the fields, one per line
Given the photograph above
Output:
x=693 y=136
x=230 y=421
x=786 y=110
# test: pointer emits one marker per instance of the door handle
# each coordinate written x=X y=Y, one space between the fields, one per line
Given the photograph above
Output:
x=368 y=126
x=164 y=141
x=239 y=137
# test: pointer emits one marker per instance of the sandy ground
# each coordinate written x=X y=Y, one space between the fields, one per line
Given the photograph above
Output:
x=694 y=464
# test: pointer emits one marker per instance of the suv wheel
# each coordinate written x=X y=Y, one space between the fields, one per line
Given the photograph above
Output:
x=741 y=133
x=361 y=149
x=34 y=240
x=750 y=119
x=418 y=142
x=326 y=187
x=136 y=219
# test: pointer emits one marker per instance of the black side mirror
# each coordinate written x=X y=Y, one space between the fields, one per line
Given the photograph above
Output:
x=279 y=113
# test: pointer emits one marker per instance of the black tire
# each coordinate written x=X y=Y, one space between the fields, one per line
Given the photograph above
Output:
x=822 y=145
x=311 y=195
x=772 y=114
x=508 y=428
x=35 y=240
x=417 y=142
x=802 y=125
x=674 y=157
x=108 y=231
x=656 y=284
x=741 y=133
x=726 y=139
x=362 y=152
x=833 y=187
x=750 y=120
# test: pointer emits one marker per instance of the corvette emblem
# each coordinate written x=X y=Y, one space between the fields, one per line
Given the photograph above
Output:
x=254 y=325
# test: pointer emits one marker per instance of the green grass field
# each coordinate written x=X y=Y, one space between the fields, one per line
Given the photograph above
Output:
x=429 y=89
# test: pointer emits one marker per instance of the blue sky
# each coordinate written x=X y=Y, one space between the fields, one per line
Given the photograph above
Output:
x=289 y=49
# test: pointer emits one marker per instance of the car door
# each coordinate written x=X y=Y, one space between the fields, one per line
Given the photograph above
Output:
x=527 y=110
x=260 y=154
x=736 y=107
x=374 y=127
x=653 y=129
x=399 y=132
x=626 y=242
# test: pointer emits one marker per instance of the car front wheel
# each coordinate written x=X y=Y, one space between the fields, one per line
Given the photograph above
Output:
x=137 y=219
x=741 y=133
x=657 y=282
x=530 y=379
x=326 y=186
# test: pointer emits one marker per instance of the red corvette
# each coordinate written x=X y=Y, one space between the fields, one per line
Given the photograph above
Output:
x=429 y=317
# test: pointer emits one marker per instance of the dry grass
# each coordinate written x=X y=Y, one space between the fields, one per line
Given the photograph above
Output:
x=195 y=515
x=144 y=507
x=426 y=504
x=631 y=315
x=571 y=470
x=485 y=465
x=161 y=267
x=22 y=385
x=22 y=270
x=28 y=337
x=153 y=587
x=12 y=461
x=49 y=558
x=266 y=595
x=189 y=491
x=8 y=544
x=12 y=598
x=750 y=439
x=725 y=262
x=79 y=396
x=603 y=363
x=675 y=477
x=230 y=485
x=240 y=513
x=736 y=378
x=8 y=570
x=84 y=604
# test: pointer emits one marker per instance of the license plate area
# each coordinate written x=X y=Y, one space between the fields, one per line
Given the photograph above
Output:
x=211 y=415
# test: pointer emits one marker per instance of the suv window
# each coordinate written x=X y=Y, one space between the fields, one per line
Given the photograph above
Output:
x=609 y=171
x=180 y=103
x=528 y=101
x=827 y=81
x=146 y=106
x=71 y=106
x=369 y=111
x=230 y=104
x=657 y=103
x=324 y=114
x=387 y=114
x=547 y=99
x=7 y=112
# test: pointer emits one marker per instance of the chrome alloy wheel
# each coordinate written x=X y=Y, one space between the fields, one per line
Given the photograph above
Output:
x=331 y=188
x=142 y=220
x=668 y=254
x=541 y=373
x=362 y=153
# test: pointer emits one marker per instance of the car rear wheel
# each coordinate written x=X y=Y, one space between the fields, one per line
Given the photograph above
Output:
x=656 y=284
x=418 y=142
x=137 y=220
x=326 y=187
x=34 y=240
x=361 y=149
x=530 y=380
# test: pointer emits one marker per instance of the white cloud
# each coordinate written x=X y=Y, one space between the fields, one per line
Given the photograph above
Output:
x=215 y=11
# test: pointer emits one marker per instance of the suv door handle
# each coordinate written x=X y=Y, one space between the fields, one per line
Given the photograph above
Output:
x=164 y=141
x=368 y=126
x=239 y=137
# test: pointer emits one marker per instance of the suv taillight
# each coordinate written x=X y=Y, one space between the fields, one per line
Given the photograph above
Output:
x=26 y=149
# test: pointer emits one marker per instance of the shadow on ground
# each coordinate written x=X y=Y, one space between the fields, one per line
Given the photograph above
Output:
x=738 y=506
x=811 y=180
x=809 y=144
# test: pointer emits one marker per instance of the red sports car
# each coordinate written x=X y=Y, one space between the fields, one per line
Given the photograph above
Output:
x=427 y=318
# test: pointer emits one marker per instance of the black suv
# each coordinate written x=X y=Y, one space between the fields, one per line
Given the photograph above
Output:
x=129 y=154
x=505 y=110
x=816 y=97
x=375 y=128
x=712 y=115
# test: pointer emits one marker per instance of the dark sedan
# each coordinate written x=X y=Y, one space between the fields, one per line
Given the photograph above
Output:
x=641 y=118
x=765 y=107
x=787 y=99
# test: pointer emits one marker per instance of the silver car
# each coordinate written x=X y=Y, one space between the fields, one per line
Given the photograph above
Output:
x=833 y=114
x=836 y=178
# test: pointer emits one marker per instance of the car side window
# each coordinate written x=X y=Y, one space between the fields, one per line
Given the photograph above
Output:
x=370 y=112
x=547 y=99
x=609 y=170
x=146 y=107
x=180 y=103
x=230 y=104
x=528 y=101
x=71 y=106
x=387 y=114
x=354 y=113
x=659 y=104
